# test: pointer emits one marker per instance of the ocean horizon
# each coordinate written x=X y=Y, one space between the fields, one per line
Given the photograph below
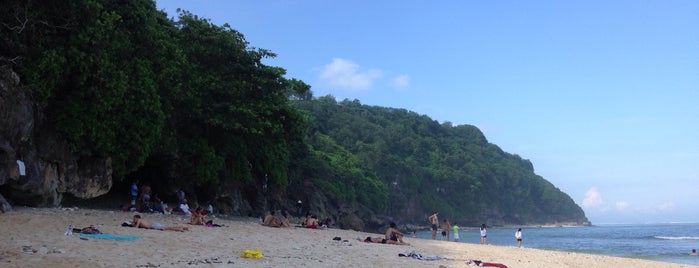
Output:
x=667 y=242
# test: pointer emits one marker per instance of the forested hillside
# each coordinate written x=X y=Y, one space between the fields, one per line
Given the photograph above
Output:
x=121 y=92
x=428 y=166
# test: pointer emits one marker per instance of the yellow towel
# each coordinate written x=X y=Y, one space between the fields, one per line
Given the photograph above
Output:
x=252 y=254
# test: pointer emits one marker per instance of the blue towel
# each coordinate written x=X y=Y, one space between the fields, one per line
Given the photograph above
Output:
x=111 y=237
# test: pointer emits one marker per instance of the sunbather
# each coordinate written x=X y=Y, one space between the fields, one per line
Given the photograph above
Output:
x=141 y=223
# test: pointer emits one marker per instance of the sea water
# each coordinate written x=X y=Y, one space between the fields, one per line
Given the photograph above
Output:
x=668 y=242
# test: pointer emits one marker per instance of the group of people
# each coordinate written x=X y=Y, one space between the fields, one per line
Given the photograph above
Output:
x=446 y=227
x=144 y=200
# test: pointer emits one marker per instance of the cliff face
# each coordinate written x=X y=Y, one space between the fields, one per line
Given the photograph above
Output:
x=36 y=165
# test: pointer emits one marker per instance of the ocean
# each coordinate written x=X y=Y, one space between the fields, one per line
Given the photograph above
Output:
x=668 y=242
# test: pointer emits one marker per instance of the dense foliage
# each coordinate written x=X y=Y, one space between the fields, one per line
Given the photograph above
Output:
x=186 y=103
x=118 y=78
x=430 y=166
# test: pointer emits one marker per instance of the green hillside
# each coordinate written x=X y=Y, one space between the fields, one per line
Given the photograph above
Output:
x=423 y=165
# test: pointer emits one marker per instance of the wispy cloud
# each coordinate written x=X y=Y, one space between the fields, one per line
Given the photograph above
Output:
x=347 y=74
x=593 y=198
x=401 y=82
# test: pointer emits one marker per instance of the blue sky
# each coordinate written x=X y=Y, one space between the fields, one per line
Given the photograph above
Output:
x=601 y=96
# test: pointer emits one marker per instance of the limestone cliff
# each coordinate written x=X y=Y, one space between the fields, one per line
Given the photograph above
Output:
x=36 y=166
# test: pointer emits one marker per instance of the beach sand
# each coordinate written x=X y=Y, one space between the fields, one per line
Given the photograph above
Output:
x=34 y=237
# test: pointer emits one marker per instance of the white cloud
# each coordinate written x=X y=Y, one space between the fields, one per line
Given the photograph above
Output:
x=621 y=205
x=347 y=74
x=401 y=81
x=592 y=198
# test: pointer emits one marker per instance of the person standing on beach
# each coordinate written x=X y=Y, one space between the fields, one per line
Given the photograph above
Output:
x=180 y=197
x=446 y=228
x=518 y=236
x=134 y=192
x=299 y=208
x=435 y=224
x=484 y=234
x=456 y=232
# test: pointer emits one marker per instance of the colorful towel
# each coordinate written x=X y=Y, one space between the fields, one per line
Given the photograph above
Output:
x=111 y=237
x=419 y=256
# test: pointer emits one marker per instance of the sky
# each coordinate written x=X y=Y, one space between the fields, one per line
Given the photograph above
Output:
x=601 y=96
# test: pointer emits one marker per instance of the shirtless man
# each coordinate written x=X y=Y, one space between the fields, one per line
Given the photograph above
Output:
x=197 y=217
x=434 y=222
x=140 y=223
x=393 y=236
x=272 y=221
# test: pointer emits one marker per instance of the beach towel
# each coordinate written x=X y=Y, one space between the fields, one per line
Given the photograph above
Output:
x=485 y=264
x=111 y=237
x=419 y=256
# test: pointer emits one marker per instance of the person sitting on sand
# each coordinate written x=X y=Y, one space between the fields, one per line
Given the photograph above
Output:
x=184 y=207
x=392 y=234
x=141 y=223
x=285 y=221
x=272 y=221
x=312 y=222
x=306 y=219
x=197 y=217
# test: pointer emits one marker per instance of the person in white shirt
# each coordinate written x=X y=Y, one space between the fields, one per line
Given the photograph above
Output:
x=518 y=236
x=185 y=208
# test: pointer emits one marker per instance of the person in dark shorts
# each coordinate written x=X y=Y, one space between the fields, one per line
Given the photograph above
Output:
x=434 y=222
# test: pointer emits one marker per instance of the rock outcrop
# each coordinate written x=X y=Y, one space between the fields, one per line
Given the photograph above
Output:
x=36 y=165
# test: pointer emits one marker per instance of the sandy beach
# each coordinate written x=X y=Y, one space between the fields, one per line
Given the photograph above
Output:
x=34 y=237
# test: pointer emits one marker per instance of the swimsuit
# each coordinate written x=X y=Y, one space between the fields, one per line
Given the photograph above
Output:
x=158 y=226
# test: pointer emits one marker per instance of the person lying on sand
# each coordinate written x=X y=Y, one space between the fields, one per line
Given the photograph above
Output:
x=140 y=223
x=381 y=240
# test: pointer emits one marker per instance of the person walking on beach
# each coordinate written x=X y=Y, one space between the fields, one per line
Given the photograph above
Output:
x=484 y=234
x=518 y=236
x=435 y=224
x=446 y=228
x=456 y=232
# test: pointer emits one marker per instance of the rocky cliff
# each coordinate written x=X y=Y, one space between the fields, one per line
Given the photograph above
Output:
x=36 y=166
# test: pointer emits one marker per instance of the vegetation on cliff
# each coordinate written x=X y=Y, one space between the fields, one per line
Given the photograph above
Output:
x=188 y=104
